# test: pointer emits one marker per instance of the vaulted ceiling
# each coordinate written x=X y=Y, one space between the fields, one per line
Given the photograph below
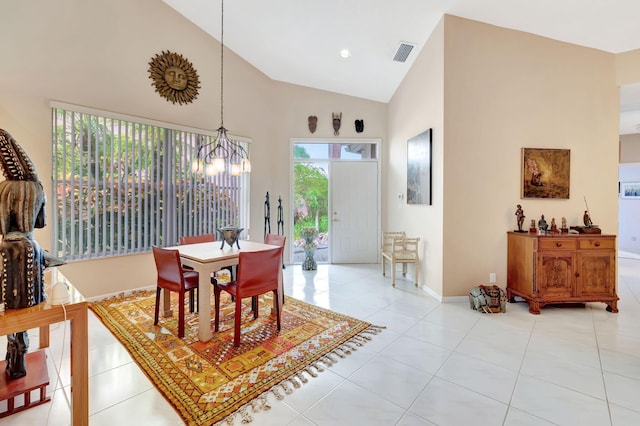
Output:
x=299 y=41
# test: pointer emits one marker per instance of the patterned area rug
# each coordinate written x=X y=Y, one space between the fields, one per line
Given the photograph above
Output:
x=213 y=382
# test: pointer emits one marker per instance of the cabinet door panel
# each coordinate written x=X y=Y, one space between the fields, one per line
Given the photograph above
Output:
x=596 y=274
x=556 y=275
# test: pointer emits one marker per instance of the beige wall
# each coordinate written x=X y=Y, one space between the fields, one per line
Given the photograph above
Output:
x=96 y=54
x=416 y=106
x=628 y=67
x=505 y=90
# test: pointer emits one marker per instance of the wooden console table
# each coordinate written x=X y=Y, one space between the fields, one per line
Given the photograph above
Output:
x=43 y=315
x=567 y=268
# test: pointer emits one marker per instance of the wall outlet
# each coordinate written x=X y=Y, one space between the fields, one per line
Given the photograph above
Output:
x=492 y=278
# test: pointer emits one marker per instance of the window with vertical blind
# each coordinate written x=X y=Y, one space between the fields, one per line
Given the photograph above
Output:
x=121 y=185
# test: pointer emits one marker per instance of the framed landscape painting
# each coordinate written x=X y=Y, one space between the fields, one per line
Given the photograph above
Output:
x=545 y=173
x=419 y=169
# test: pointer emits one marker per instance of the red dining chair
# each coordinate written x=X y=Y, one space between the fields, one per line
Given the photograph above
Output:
x=171 y=277
x=258 y=273
x=274 y=240
x=195 y=239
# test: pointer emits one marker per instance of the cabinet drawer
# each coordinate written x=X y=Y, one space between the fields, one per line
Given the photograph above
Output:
x=597 y=243
x=557 y=244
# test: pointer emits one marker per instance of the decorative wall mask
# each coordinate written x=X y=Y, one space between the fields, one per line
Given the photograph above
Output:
x=359 y=126
x=174 y=77
x=337 y=118
x=313 y=123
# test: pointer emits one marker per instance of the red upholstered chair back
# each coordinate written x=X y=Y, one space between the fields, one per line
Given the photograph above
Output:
x=258 y=272
x=274 y=239
x=195 y=239
x=170 y=274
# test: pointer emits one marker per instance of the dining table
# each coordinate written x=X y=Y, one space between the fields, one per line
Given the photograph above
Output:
x=207 y=258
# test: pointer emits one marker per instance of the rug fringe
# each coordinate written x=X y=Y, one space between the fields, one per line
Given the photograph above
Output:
x=261 y=403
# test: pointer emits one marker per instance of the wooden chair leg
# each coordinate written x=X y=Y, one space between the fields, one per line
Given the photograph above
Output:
x=236 y=322
x=277 y=299
x=417 y=272
x=192 y=300
x=155 y=317
x=216 y=295
x=393 y=273
x=181 y=316
x=254 y=306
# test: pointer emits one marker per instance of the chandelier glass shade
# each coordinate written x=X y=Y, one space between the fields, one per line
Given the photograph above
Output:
x=222 y=153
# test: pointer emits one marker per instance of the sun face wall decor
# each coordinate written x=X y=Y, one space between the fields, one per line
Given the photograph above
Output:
x=174 y=77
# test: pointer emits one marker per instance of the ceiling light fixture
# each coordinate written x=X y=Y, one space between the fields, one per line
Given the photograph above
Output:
x=215 y=156
x=345 y=53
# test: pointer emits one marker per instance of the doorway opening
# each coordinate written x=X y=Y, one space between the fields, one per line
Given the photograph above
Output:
x=318 y=199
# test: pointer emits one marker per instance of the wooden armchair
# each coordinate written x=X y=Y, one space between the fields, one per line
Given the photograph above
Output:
x=397 y=248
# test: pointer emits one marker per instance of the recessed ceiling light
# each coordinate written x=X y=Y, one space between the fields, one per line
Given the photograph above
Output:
x=345 y=53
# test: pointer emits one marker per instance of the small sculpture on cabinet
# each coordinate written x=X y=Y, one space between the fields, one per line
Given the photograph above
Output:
x=542 y=225
x=554 y=227
x=563 y=226
x=520 y=218
x=532 y=227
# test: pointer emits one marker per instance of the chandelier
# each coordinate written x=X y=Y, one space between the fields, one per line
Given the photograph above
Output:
x=222 y=153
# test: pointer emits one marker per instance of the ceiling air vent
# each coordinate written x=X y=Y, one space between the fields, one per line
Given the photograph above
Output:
x=403 y=51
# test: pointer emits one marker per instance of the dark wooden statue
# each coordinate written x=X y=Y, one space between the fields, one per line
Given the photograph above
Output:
x=22 y=209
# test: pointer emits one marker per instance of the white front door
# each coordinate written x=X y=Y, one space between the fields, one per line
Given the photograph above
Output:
x=354 y=212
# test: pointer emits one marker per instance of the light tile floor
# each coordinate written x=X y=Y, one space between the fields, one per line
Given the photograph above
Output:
x=435 y=364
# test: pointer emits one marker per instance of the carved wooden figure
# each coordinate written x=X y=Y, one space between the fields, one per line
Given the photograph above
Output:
x=22 y=209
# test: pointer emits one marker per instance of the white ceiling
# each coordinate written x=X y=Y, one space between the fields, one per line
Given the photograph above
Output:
x=298 y=41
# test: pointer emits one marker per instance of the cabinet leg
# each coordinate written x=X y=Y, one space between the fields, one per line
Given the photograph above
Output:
x=613 y=307
x=534 y=307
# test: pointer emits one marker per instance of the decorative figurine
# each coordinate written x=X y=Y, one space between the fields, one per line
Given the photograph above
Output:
x=587 y=219
x=267 y=215
x=554 y=227
x=563 y=226
x=337 y=118
x=542 y=225
x=22 y=209
x=520 y=217
x=532 y=227
x=313 y=123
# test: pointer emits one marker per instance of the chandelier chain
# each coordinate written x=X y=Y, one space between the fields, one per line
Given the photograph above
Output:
x=222 y=64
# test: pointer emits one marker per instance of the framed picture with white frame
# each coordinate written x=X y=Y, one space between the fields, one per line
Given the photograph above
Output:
x=630 y=190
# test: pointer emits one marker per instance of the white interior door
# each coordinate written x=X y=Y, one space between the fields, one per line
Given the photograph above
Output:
x=354 y=212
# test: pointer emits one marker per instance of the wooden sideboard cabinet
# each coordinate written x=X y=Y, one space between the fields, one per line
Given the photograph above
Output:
x=567 y=268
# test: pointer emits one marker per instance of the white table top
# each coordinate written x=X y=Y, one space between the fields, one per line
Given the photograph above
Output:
x=211 y=252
